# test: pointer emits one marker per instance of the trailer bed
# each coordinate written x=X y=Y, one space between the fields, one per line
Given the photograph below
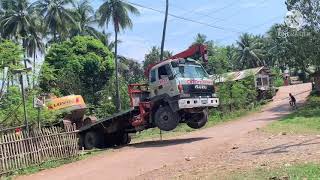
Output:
x=121 y=116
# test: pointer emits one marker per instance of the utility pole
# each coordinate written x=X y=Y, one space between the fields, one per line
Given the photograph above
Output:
x=24 y=103
x=164 y=39
x=20 y=74
x=164 y=30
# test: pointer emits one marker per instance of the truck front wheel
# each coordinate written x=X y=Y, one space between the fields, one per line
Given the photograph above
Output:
x=197 y=120
x=166 y=119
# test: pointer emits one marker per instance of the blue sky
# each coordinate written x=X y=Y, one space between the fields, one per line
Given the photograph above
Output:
x=232 y=16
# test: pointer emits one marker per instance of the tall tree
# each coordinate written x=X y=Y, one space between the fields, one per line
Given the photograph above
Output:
x=153 y=55
x=250 y=52
x=16 y=21
x=116 y=12
x=58 y=18
x=84 y=16
x=34 y=44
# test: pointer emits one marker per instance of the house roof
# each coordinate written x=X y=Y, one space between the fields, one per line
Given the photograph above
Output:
x=238 y=75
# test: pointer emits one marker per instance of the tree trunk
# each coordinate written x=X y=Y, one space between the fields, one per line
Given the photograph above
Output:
x=118 y=100
x=34 y=68
x=26 y=66
x=3 y=82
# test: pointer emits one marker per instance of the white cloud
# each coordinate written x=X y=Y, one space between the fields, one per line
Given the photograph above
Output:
x=134 y=47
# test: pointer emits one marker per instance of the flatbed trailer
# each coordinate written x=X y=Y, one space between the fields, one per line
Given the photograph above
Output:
x=110 y=131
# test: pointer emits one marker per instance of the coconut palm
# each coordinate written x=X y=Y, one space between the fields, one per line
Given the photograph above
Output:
x=16 y=21
x=57 y=17
x=34 y=44
x=116 y=12
x=84 y=16
x=250 y=52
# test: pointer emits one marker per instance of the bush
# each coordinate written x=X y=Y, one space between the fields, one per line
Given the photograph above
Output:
x=235 y=95
x=11 y=109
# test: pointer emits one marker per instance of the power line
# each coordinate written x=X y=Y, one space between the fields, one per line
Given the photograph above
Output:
x=183 y=18
x=211 y=17
x=252 y=27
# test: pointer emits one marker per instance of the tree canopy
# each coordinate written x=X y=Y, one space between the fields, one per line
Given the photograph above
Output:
x=82 y=65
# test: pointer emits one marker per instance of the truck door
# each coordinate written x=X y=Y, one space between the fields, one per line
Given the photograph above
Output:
x=153 y=82
x=165 y=84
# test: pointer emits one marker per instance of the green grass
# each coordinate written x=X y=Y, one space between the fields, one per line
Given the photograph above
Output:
x=294 y=172
x=214 y=119
x=305 y=120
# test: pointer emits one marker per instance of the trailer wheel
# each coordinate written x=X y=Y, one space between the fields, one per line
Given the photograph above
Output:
x=166 y=119
x=123 y=139
x=197 y=120
x=91 y=140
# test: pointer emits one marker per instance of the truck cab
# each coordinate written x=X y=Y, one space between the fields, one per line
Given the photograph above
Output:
x=180 y=91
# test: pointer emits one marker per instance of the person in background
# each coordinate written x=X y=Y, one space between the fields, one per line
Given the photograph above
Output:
x=292 y=100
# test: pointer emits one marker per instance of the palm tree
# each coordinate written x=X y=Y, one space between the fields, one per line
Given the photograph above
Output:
x=34 y=44
x=57 y=18
x=117 y=13
x=250 y=52
x=16 y=21
x=84 y=15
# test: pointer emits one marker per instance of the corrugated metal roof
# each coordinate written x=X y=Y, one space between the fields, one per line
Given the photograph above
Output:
x=238 y=75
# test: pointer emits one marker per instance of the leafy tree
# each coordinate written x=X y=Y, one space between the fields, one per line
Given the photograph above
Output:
x=10 y=56
x=107 y=98
x=116 y=12
x=82 y=65
x=219 y=61
x=153 y=56
x=131 y=70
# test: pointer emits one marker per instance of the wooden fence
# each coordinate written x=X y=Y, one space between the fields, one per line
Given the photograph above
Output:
x=19 y=149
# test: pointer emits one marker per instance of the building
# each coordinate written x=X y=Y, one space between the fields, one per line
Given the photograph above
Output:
x=262 y=76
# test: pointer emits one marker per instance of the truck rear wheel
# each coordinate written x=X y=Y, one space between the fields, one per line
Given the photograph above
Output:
x=123 y=139
x=166 y=119
x=197 y=120
x=91 y=140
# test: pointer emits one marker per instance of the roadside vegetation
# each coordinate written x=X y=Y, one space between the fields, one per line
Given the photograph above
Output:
x=299 y=171
x=305 y=120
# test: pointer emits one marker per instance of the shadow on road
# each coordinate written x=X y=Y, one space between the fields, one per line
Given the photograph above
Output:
x=283 y=148
x=163 y=143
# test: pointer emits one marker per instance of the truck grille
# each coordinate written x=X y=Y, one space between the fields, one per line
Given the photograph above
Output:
x=196 y=90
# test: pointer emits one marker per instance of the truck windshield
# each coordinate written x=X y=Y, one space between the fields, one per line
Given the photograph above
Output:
x=190 y=71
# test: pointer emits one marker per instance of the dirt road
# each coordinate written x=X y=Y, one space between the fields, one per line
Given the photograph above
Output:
x=163 y=160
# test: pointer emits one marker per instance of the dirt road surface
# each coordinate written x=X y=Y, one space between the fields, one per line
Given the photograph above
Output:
x=176 y=157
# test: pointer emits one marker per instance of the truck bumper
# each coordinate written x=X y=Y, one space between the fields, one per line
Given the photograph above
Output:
x=198 y=102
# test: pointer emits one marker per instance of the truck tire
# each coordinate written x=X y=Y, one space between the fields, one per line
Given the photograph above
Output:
x=91 y=140
x=197 y=120
x=123 y=139
x=165 y=119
